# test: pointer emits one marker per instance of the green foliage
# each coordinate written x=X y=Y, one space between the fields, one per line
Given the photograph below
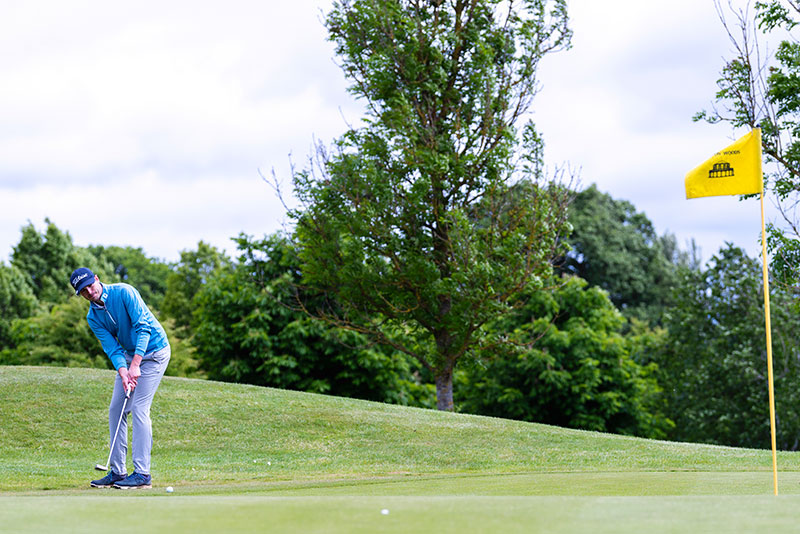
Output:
x=573 y=368
x=183 y=360
x=47 y=260
x=132 y=266
x=614 y=247
x=774 y=14
x=52 y=330
x=251 y=329
x=782 y=132
x=186 y=279
x=36 y=280
x=714 y=361
x=426 y=221
x=17 y=301
x=60 y=336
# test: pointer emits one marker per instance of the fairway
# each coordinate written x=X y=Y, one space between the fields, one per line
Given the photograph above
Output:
x=250 y=459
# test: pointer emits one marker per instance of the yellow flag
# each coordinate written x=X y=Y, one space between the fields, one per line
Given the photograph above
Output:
x=735 y=170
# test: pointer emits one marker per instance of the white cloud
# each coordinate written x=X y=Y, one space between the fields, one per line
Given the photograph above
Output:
x=162 y=85
x=619 y=105
x=161 y=216
x=165 y=112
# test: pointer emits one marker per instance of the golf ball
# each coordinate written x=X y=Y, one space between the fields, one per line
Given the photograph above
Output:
x=169 y=489
x=385 y=511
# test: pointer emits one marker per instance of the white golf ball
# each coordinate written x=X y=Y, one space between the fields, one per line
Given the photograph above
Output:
x=385 y=511
x=169 y=489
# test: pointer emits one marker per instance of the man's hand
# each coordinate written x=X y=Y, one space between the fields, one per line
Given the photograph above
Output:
x=126 y=381
x=133 y=370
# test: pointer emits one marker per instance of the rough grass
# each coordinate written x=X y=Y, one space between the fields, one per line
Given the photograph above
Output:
x=261 y=457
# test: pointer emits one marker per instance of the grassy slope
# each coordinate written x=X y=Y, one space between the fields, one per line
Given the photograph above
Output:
x=211 y=437
x=335 y=464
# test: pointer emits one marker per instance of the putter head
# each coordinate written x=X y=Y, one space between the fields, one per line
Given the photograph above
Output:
x=99 y=467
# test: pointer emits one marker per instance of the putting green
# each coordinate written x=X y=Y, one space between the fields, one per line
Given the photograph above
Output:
x=554 y=484
x=354 y=515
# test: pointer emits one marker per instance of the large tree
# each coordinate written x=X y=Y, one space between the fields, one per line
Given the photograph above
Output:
x=250 y=328
x=617 y=248
x=186 y=280
x=577 y=371
x=714 y=360
x=424 y=222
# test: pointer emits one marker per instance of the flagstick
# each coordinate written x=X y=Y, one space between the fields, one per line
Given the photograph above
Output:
x=769 y=348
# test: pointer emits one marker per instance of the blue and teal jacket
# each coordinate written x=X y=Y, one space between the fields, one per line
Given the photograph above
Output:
x=124 y=324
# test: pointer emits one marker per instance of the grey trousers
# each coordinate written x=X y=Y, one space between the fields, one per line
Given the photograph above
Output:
x=153 y=366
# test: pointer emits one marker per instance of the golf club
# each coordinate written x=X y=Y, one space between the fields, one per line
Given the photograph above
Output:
x=114 y=439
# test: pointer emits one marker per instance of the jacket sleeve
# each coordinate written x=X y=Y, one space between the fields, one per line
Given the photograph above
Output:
x=140 y=318
x=110 y=345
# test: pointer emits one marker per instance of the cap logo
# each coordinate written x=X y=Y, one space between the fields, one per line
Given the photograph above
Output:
x=78 y=279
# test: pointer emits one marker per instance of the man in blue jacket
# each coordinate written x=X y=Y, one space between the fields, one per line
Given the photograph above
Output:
x=138 y=348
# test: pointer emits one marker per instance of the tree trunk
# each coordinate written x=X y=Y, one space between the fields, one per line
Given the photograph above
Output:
x=444 y=390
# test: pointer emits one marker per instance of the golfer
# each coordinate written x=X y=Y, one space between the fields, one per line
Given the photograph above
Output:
x=138 y=348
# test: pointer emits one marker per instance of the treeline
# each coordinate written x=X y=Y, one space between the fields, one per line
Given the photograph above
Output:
x=632 y=335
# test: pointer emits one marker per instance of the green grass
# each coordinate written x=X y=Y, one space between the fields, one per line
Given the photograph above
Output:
x=406 y=514
x=246 y=458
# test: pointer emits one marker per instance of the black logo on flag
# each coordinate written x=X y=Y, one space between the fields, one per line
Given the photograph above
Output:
x=721 y=170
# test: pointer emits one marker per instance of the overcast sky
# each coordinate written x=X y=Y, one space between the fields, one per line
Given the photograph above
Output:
x=147 y=124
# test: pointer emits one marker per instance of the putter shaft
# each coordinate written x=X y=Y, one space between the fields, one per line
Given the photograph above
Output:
x=99 y=467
